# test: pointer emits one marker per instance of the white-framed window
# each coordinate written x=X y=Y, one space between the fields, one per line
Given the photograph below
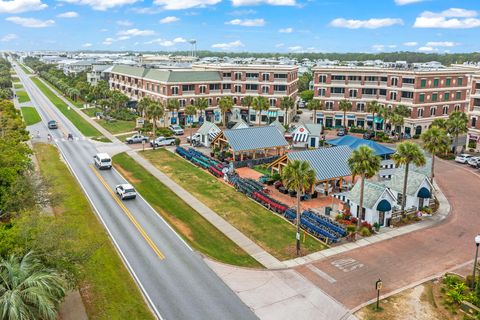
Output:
x=322 y=78
x=238 y=76
x=329 y=105
x=393 y=95
x=182 y=103
x=353 y=93
x=265 y=89
x=433 y=111
x=273 y=102
x=174 y=90
x=394 y=81
x=445 y=110
x=361 y=106
x=202 y=89
x=192 y=101
x=210 y=101
x=238 y=88
x=420 y=112
x=322 y=92
x=457 y=108
x=266 y=76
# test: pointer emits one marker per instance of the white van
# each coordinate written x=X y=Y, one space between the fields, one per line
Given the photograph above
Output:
x=102 y=161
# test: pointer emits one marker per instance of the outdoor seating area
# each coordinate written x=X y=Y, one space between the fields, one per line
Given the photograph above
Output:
x=199 y=159
x=320 y=226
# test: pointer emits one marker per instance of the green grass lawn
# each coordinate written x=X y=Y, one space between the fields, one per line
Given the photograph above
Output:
x=117 y=126
x=85 y=128
x=267 y=229
x=17 y=86
x=30 y=115
x=24 y=69
x=263 y=170
x=107 y=288
x=22 y=96
x=197 y=231
x=15 y=79
x=91 y=112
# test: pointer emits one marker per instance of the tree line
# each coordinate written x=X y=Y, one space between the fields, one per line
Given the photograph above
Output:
x=5 y=79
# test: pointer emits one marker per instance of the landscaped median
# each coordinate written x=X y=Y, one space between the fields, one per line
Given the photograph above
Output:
x=268 y=230
x=107 y=289
x=197 y=231
x=22 y=96
x=24 y=69
x=85 y=128
x=30 y=115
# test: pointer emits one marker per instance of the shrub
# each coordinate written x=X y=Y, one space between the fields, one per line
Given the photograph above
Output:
x=351 y=228
x=164 y=132
x=299 y=111
x=447 y=156
x=123 y=115
x=177 y=141
x=357 y=130
x=338 y=217
x=416 y=136
x=365 y=232
x=376 y=226
x=354 y=220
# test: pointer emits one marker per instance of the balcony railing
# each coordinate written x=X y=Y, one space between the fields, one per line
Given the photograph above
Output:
x=337 y=94
x=476 y=108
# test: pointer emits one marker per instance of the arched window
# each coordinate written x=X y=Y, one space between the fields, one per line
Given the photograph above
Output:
x=433 y=110
x=445 y=110
x=457 y=107
x=420 y=112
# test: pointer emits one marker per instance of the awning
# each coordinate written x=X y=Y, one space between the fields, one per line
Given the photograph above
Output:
x=272 y=114
x=424 y=193
x=339 y=116
x=319 y=115
x=351 y=116
x=384 y=206
x=300 y=137
x=369 y=118
x=378 y=120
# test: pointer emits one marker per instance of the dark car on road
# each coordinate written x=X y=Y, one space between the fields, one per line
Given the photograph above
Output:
x=52 y=124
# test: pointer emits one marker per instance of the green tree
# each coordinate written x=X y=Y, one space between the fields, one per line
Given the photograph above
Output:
x=397 y=121
x=173 y=105
x=345 y=106
x=402 y=110
x=248 y=102
x=440 y=123
x=190 y=111
x=304 y=81
x=374 y=108
x=436 y=141
x=143 y=104
x=286 y=104
x=201 y=104
x=407 y=152
x=260 y=104
x=154 y=112
x=364 y=163
x=315 y=105
x=306 y=95
x=29 y=290
x=225 y=104
x=299 y=176
x=456 y=125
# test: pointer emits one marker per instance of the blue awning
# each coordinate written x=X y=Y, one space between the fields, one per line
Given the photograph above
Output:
x=339 y=116
x=351 y=116
x=378 y=120
x=319 y=115
x=272 y=114
x=424 y=193
x=384 y=206
x=369 y=118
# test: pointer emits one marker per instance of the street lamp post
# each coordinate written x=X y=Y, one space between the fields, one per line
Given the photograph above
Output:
x=477 y=243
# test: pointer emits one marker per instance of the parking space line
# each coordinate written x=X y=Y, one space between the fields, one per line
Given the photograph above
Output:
x=129 y=215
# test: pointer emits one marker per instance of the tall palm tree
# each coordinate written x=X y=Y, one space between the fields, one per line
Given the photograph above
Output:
x=260 y=104
x=247 y=102
x=408 y=152
x=345 y=106
x=143 y=104
x=154 y=112
x=299 y=176
x=190 y=110
x=364 y=163
x=201 y=104
x=396 y=120
x=440 y=123
x=373 y=107
x=29 y=290
x=457 y=124
x=286 y=104
x=436 y=141
x=402 y=110
x=173 y=105
x=315 y=105
x=225 y=104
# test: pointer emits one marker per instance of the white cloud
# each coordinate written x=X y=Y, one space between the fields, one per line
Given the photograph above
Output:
x=368 y=24
x=167 y=43
x=426 y=49
x=441 y=44
x=453 y=18
x=169 y=19
x=104 y=30
x=8 y=37
x=101 y=5
x=410 y=44
x=229 y=45
x=242 y=12
x=239 y=3
x=136 y=33
x=31 y=22
x=285 y=30
x=279 y=45
x=179 y=40
x=19 y=6
x=296 y=48
x=184 y=4
x=404 y=2
x=392 y=46
x=87 y=45
x=247 y=22
x=124 y=23
x=378 y=47
x=68 y=14
x=108 y=41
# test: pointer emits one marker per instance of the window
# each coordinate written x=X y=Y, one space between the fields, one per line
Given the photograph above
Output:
x=273 y=102
x=148 y=86
x=393 y=95
x=448 y=82
x=227 y=74
x=423 y=83
x=188 y=87
x=214 y=86
x=354 y=78
x=322 y=78
x=445 y=110
x=435 y=82
x=408 y=80
x=420 y=112
x=433 y=110
x=457 y=108
x=329 y=105
x=353 y=93
x=281 y=88
x=459 y=81
x=360 y=107
x=458 y=95
x=474 y=122
x=369 y=91
x=265 y=89
x=421 y=97
x=322 y=92
x=407 y=94
x=174 y=90
x=371 y=79
x=446 y=96
x=238 y=88
x=383 y=92
x=238 y=76
x=182 y=103
x=383 y=79
x=203 y=89
x=336 y=77
x=337 y=90
x=251 y=87
x=266 y=77
x=399 y=199
x=394 y=81
x=251 y=75
x=227 y=86
x=280 y=76
x=434 y=97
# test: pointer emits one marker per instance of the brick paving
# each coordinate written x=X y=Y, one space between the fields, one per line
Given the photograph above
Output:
x=408 y=258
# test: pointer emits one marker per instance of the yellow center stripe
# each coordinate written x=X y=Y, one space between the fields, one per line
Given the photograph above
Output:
x=129 y=215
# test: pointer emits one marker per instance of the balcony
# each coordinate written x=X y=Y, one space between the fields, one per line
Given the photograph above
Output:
x=408 y=85
x=337 y=95
x=369 y=96
x=371 y=83
x=476 y=109
x=476 y=93
x=407 y=100
x=338 y=81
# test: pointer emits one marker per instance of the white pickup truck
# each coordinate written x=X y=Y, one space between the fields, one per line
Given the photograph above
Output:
x=163 y=141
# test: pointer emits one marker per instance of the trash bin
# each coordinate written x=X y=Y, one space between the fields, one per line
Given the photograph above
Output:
x=328 y=210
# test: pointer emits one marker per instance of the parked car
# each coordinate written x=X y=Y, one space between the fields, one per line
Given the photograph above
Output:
x=176 y=129
x=163 y=141
x=125 y=191
x=195 y=137
x=473 y=161
x=102 y=161
x=463 y=158
x=52 y=124
x=137 y=138
x=368 y=135
x=341 y=132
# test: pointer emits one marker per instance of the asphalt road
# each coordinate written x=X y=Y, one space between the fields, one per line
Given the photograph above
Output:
x=174 y=279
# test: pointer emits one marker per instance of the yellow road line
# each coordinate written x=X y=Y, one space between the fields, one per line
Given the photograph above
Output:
x=129 y=214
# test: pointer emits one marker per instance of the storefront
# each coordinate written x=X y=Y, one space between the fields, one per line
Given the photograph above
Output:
x=369 y=121
x=319 y=118
x=329 y=122
x=361 y=122
x=351 y=120
x=338 y=120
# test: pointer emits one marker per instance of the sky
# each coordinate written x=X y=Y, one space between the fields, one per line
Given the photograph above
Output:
x=242 y=25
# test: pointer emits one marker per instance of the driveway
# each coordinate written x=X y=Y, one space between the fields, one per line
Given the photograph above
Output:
x=350 y=277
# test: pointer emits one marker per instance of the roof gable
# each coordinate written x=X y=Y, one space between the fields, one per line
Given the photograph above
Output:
x=208 y=127
x=414 y=181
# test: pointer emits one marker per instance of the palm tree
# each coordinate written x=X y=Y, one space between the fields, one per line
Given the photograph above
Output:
x=143 y=104
x=440 y=123
x=153 y=112
x=173 y=105
x=299 y=176
x=225 y=104
x=373 y=107
x=402 y=110
x=364 y=163
x=436 y=141
x=457 y=124
x=408 y=152
x=190 y=110
x=396 y=120
x=286 y=104
x=260 y=104
x=345 y=106
x=247 y=102
x=201 y=104
x=29 y=290
x=315 y=105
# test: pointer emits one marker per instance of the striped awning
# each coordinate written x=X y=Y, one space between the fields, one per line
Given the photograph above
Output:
x=272 y=114
x=300 y=137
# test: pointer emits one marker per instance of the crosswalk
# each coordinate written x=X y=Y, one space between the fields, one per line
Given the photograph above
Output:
x=66 y=140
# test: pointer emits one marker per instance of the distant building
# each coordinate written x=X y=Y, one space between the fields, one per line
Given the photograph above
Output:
x=97 y=73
